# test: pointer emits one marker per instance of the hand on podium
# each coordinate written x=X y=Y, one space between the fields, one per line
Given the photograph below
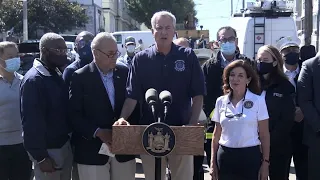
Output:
x=105 y=135
x=122 y=121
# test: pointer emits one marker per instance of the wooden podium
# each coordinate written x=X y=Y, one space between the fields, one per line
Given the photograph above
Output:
x=127 y=140
x=136 y=140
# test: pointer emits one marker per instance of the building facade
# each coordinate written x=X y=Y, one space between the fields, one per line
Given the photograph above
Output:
x=116 y=16
x=301 y=27
x=94 y=11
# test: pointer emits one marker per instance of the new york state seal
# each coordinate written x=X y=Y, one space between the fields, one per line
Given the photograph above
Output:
x=158 y=139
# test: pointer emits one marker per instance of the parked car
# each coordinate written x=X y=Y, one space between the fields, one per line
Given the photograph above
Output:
x=72 y=54
x=28 y=51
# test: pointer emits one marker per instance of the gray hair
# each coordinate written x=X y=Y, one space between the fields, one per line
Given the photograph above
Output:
x=101 y=36
x=163 y=13
x=7 y=44
x=47 y=38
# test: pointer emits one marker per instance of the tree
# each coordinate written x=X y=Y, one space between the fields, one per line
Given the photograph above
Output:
x=142 y=10
x=49 y=15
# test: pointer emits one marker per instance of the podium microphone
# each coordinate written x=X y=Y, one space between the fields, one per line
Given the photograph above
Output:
x=166 y=99
x=151 y=97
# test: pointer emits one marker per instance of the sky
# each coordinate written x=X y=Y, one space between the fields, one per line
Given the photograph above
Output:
x=213 y=14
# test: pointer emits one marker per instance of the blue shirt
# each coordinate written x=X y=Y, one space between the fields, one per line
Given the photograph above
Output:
x=178 y=72
x=107 y=80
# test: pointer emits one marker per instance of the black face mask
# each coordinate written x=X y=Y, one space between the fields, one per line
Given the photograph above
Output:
x=265 y=68
x=85 y=53
x=292 y=58
x=57 y=60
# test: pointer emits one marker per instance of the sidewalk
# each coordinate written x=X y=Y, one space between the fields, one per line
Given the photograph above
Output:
x=140 y=175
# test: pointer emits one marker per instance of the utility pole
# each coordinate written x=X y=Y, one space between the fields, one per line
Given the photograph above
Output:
x=243 y=4
x=318 y=18
x=308 y=11
x=25 y=20
x=231 y=8
x=94 y=18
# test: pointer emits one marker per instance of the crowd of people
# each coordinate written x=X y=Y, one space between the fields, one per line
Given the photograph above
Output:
x=263 y=112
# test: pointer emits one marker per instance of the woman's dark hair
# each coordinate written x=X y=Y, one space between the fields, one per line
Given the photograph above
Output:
x=253 y=86
x=277 y=75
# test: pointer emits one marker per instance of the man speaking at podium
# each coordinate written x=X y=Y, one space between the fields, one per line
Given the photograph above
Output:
x=166 y=66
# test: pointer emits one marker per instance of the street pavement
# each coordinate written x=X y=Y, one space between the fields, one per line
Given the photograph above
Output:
x=140 y=175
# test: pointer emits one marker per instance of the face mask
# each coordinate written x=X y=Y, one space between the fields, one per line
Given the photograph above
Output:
x=265 y=68
x=12 y=65
x=57 y=60
x=228 y=48
x=130 y=48
x=291 y=58
x=85 y=52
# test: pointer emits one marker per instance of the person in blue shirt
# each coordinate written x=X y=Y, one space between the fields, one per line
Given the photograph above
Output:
x=166 y=66
x=43 y=101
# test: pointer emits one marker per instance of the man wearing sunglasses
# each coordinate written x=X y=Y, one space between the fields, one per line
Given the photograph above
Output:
x=97 y=94
x=82 y=47
x=213 y=70
x=44 y=99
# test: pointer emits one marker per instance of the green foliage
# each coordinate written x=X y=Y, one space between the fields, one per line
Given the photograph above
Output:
x=49 y=15
x=142 y=10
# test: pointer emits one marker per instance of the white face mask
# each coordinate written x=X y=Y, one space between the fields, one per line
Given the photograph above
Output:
x=131 y=48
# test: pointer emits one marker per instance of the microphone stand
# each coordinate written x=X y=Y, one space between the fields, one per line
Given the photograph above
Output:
x=157 y=164
x=158 y=159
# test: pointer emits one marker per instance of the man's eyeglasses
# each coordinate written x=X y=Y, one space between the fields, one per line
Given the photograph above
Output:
x=58 y=51
x=83 y=43
x=111 y=55
x=230 y=39
x=233 y=115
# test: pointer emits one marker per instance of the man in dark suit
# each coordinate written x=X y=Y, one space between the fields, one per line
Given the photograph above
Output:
x=97 y=93
x=309 y=101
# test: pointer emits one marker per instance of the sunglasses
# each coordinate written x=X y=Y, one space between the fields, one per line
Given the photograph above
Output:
x=233 y=115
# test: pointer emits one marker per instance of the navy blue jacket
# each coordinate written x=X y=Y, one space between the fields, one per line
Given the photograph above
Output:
x=43 y=98
x=70 y=69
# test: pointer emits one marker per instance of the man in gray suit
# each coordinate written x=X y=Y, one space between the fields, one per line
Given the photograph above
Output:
x=309 y=100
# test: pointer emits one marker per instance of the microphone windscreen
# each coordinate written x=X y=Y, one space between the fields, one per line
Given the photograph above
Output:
x=151 y=95
x=165 y=96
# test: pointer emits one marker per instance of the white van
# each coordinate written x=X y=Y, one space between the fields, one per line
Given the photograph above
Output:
x=262 y=25
x=146 y=36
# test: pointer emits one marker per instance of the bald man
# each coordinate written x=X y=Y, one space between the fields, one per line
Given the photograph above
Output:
x=97 y=93
x=82 y=47
x=44 y=99
x=182 y=42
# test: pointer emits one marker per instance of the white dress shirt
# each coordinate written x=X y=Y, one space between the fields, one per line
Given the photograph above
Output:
x=291 y=75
